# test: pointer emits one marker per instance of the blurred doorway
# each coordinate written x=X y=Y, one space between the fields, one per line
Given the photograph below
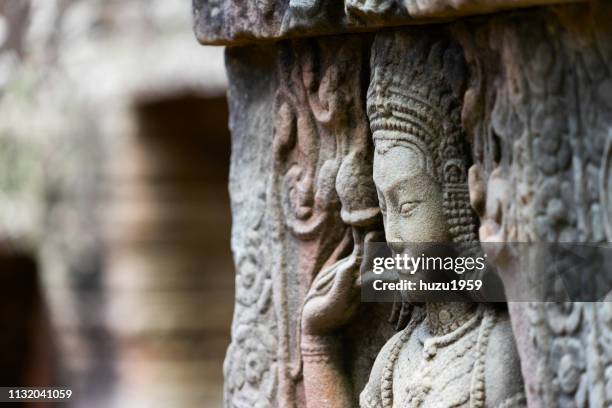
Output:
x=168 y=271
x=25 y=344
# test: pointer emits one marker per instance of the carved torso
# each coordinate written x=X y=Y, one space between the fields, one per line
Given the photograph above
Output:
x=417 y=369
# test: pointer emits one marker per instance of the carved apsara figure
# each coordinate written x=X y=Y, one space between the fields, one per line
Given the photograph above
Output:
x=453 y=354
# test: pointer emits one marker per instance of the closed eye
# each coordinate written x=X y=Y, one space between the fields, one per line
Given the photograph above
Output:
x=408 y=207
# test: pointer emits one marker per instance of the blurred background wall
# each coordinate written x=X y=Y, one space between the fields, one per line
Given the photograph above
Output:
x=115 y=268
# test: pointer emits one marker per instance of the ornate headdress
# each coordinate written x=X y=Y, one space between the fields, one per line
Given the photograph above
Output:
x=414 y=96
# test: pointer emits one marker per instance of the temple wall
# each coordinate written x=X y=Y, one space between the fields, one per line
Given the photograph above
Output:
x=535 y=111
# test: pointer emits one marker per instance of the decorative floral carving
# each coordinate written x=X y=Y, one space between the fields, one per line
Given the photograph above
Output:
x=250 y=367
x=546 y=133
x=252 y=281
x=563 y=318
x=568 y=364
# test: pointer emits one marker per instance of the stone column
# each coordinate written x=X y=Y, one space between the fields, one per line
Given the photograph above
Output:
x=535 y=109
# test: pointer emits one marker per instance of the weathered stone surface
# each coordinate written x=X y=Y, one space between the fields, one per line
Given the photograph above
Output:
x=233 y=22
x=300 y=139
x=414 y=113
x=535 y=116
x=538 y=114
x=251 y=365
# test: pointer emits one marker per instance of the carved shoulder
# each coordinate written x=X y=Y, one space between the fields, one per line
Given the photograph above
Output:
x=503 y=378
x=371 y=395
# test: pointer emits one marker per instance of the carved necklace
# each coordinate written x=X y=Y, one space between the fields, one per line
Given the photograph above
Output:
x=444 y=318
x=386 y=385
x=417 y=393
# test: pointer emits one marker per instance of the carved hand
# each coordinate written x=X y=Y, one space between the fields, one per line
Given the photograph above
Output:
x=334 y=295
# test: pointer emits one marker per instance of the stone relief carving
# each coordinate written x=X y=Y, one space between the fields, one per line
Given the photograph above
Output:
x=315 y=189
x=251 y=363
x=537 y=118
x=420 y=173
x=542 y=160
x=322 y=180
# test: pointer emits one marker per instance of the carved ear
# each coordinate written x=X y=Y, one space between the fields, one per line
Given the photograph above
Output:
x=477 y=189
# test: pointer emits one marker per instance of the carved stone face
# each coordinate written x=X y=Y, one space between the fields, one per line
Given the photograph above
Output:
x=410 y=198
x=411 y=202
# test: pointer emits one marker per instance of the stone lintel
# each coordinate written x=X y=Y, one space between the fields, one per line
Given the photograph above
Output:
x=238 y=22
